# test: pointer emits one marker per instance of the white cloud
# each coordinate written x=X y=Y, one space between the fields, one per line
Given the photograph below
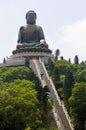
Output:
x=71 y=40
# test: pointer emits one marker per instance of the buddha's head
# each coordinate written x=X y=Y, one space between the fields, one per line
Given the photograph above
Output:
x=31 y=17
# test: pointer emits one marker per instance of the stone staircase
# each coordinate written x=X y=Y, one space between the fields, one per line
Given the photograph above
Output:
x=61 y=117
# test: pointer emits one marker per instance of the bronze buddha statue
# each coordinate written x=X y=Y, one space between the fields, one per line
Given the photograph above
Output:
x=31 y=35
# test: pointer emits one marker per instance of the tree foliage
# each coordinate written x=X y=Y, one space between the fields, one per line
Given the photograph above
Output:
x=76 y=60
x=9 y=74
x=18 y=105
x=57 y=53
x=78 y=105
x=23 y=102
x=70 y=82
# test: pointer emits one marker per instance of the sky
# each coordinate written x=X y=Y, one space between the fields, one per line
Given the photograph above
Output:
x=63 y=23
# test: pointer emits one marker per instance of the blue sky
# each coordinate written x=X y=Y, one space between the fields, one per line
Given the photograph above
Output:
x=63 y=23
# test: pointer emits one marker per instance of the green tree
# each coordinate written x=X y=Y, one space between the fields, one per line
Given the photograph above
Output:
x=61 y=58
x=50 y=66
x=78 y=105
x=57 y=53
x=56 y=77
x=67 y=87
x=18 y=106
x=27 y=62
x=4 y=61
x=76 y=60
x=81 y=76
x=69 y=60
x=15 y=76
x=12 y=73
x=63 y=66
x=28 y=128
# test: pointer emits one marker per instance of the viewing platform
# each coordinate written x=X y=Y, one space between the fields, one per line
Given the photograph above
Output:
x=19 y=56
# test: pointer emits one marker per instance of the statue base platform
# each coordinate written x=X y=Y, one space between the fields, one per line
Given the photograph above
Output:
x=32 y=50
x=19 y=56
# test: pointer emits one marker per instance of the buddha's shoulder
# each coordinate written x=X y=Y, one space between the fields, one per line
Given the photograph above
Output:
x=38 y=26
x=22 y=28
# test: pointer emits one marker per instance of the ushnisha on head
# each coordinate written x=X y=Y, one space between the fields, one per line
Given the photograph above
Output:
x=31 y=17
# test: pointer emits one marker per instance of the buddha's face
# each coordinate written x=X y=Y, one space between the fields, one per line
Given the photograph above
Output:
x=30 y=18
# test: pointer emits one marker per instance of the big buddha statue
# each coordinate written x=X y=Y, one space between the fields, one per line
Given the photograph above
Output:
x=31 y=35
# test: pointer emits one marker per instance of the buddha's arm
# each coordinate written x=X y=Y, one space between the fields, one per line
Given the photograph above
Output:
x=41 y=34
x=21 y=35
